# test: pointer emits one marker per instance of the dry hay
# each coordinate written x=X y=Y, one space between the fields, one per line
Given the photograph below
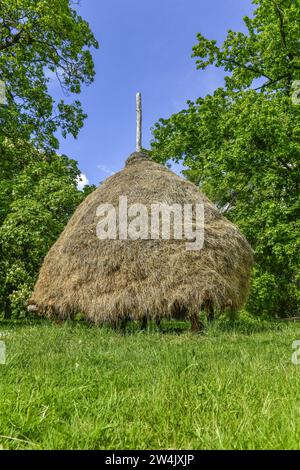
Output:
x=107 y=280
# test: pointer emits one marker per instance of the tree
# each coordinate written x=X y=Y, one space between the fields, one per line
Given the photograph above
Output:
x=38 y=188
x=40 y=38
x=37 y=197
x=242 y=146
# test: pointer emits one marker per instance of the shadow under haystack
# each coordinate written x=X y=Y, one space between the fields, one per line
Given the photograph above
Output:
x=110 y=280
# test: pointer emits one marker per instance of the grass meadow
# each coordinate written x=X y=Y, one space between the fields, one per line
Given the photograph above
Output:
x=74 y=386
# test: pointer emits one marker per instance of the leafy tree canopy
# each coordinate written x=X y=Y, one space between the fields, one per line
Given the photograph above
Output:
x=38 y=194
x=269 y=52
x=40 y=39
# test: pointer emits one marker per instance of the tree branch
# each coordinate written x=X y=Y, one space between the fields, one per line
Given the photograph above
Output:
x=280 y=15
x=247 y=67
x=12 y=41
x=271 y=82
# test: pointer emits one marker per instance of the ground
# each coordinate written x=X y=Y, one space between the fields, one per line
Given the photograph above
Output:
x=74 y=386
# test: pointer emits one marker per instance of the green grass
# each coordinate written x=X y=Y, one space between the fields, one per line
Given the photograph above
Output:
x=80 y=387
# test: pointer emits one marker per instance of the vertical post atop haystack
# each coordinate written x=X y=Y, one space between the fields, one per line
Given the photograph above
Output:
x=138 y=122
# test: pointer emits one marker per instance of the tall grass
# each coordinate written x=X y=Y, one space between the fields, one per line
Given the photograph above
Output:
x=78 y=387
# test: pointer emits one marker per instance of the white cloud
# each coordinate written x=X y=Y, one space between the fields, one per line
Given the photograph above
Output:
x=105 y=169
x=82 y=181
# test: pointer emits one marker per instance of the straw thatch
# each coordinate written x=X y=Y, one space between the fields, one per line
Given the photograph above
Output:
x=108 y=280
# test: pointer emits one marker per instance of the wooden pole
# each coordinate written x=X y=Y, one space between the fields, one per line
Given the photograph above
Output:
x=138 y=122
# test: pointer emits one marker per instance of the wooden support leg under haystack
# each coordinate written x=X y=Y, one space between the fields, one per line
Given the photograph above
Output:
x=123 y=325
x=120 y=325
x=210 y=313
x=144 y=323
x=196 y=324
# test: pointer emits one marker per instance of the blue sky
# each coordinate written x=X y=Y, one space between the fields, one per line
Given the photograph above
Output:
x=146 y=46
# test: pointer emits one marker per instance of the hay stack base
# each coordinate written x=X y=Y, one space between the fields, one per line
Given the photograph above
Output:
x=111 y=280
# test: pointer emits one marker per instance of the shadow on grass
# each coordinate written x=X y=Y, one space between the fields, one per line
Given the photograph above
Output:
x=24 y=323
x=245 y=326
x=242 y=325
x=166 y=327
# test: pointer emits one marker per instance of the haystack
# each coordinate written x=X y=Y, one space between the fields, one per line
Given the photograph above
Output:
x=113 y=279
